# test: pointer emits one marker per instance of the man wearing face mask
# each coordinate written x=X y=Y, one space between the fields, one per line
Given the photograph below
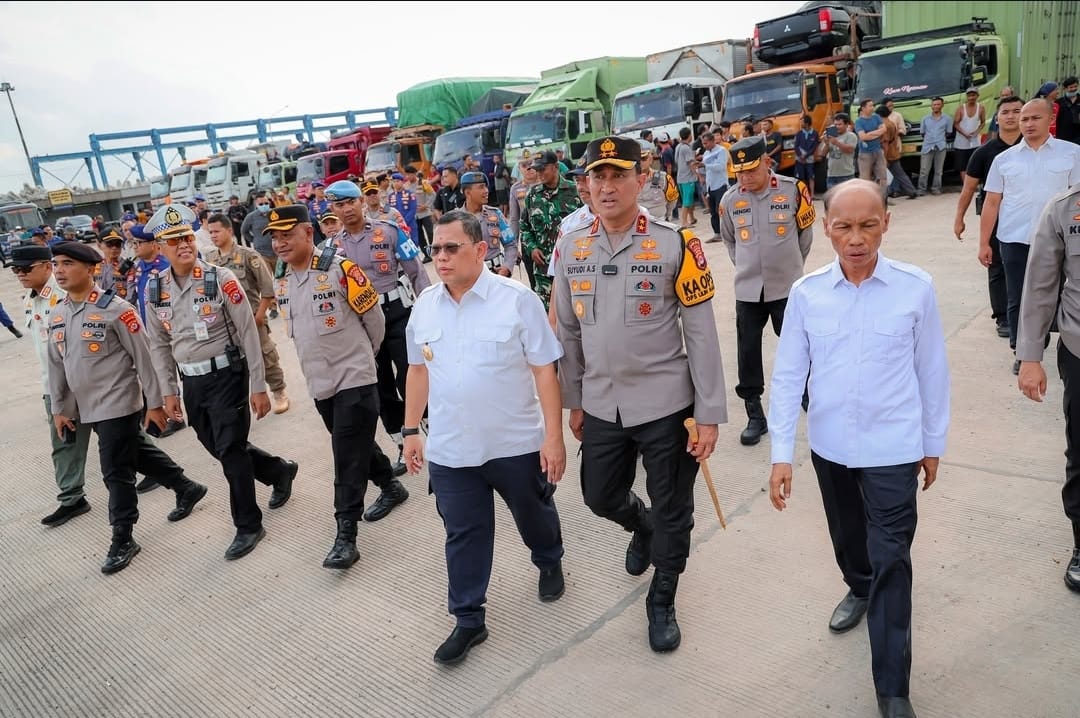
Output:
x=252 y=228
x=1068 y=119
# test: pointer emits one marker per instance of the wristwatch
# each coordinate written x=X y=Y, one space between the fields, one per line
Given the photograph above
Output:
x=407 y=431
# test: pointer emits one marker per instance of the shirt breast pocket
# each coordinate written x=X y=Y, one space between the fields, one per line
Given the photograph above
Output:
x=328 y=322
x=645 y=300
x=583 y=298
x=427 y=338
x=1057 y=171
x=94 y=347
x=382 y=260
x=891 y=339
x=823 y=335
x=494 y=343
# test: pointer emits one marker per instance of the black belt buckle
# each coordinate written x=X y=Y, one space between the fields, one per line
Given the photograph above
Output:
x=609 y=270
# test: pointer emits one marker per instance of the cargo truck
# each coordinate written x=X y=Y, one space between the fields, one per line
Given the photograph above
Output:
x=930 y=49
x=570 y=106
x=345 y=154
x=482 y=134
x=187 y=180
x=159 y=191
x=233 y=174
x=685 y=82
x=276 y=175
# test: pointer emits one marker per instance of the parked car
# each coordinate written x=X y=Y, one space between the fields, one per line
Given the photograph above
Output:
x=816 y=31
x=83 y=224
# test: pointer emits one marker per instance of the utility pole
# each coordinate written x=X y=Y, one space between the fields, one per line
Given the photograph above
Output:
x=8 y=88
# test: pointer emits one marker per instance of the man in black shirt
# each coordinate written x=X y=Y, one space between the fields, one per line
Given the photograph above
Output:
x=1068 y=120
x=449 y=195
x=1008 y=119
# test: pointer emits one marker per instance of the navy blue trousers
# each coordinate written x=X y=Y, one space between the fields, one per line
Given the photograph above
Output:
x=872 y=513
x=465 y=500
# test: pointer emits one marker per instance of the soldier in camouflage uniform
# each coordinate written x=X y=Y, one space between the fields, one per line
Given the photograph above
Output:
x=547 y=203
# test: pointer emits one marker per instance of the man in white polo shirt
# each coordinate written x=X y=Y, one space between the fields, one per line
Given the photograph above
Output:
x=1021 y=181
x=480 y=352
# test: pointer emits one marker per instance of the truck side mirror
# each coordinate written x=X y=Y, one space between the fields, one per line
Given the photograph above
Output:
x=978 y=75
x=688 y=108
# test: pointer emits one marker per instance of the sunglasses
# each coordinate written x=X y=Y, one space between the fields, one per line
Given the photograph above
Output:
x=27 y=270
x=175 y=241
x=114 y=243
x=451 y=248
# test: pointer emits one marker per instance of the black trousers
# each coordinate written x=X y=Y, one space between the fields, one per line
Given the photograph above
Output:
x=995 y=280
x=351 y=416
x=118 y=449
x=425 y=230
x=465 y=500
x=872 y=513
x=750 y=320
x=715 y=195
x=217 y=409
x=392 y=364
x=1069 y=370
x=608 y=462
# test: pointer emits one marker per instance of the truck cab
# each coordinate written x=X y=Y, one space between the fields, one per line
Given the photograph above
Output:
x=555 y=117
x=187 y=180
x=785 y=94
x=327 y=167
x=665 y=106
x=276 y=175
x=233 y=174
x=480 y=136
x=404 y=147
x=159 y=191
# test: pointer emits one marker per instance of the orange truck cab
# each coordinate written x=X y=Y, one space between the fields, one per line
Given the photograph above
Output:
x=784 y=95
x=346 y=155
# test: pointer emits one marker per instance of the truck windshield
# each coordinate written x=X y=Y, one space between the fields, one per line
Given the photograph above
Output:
x=763 y=96
x=270 y=177
x=660 y=106
x=159 y=188
x=453 y=146
x=20 y=216
x=380 y=157
x=199 y=178
x=180 y=181
x=538 y=127
x=309 y=168
x=913 y=73
x=216 y=175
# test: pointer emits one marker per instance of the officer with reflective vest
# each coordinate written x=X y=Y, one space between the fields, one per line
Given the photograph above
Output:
x=392 y=262
x=200 y=323
x=502 y=253
x=767 y=225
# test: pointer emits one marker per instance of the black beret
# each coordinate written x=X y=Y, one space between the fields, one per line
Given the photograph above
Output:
x=78 y=251
x=25 y=256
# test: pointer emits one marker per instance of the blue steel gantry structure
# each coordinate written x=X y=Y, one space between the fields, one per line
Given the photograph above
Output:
x=212 y=134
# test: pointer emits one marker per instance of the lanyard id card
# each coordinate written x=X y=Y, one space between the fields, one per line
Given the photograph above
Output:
x=201 y=332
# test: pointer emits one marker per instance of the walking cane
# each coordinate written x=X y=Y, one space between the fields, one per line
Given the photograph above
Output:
x=691 y=428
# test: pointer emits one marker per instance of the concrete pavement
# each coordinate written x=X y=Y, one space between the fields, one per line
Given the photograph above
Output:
x=181 y=632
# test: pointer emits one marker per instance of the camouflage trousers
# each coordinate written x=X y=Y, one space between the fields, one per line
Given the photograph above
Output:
x=543 y=287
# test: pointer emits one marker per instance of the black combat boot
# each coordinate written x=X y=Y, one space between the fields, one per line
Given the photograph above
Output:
x=122 y=550
x=399 y=465
x=757 y=426
x=15 y=330
x=639 y=552
x=344 y=553
x=392 y=494
x=664 y=634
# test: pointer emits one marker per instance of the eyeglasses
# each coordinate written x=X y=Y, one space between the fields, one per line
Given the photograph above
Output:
x=451 y=248
x=175 y=241
x=27 y=270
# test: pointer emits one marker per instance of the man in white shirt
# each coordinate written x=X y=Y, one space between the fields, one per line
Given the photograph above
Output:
x=867 y=329
x=1021 y=181
x=480 y=351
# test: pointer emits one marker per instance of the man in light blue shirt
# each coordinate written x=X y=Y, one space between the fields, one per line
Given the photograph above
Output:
x=867 y=329
x=716 y=160
x=480 y=351
x=934 y=127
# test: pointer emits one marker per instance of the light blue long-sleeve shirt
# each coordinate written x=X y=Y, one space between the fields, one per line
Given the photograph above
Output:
x=934 y=131
x=879 y=378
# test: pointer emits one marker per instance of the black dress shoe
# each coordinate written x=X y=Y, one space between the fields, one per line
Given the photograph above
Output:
x=1003 y=331
x=848 y=613
x=171 y=427
x=392 y=494
x=399 y=465
x=149 y=483
x=1072 y=573
x=65 y=513
x=895 y=707
x=1016 y=367
x=456 y=647
x=283 y=488
x=121 y=551
x=186 y=500
x=552 y=584
x=639 y=552
x=243 y=544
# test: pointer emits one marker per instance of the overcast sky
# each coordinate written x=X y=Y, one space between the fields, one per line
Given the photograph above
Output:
x=102 y=67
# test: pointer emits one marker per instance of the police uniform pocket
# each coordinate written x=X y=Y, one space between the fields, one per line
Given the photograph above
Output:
x=823 y=335
x=427 y=338
x=493 y=342
x=1072 y=245
x=381 y=261
x=644 y=299
x=583 y=298
x=892 y=339
x=93 y=346
x=328 y=319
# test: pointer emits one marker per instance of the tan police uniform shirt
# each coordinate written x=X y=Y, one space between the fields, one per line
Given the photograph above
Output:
x=249 y=268
x=619 y=312
x=176 y=322
x=653 y=194
x=97 y=358
x=768 y=235
x=375 y=249
x=1055 y=246
x=335 y=341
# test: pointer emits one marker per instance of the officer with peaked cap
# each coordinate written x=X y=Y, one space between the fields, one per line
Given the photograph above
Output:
x=627 y=280
x=767 y=225
x=391 y=261
x=95 y=342
x=375 y=206
x=502 y=253
x=113 y=273
x=404 y=202
x=332 y=313
x=199 y=321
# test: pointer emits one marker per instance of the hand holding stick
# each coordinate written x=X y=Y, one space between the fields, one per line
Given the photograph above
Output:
x=691 y=428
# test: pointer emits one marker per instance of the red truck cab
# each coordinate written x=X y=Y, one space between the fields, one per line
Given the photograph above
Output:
x=344 y=156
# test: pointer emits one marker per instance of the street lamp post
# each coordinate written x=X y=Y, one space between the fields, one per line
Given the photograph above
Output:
x=8 y=88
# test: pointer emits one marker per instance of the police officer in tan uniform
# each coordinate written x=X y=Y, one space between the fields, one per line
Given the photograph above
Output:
x=632 y=292
x=1055 y=251
x=96 y=342
x=767 y=225
x=258 y=284
x=376 y=207
x=199 y=322
x=333 y=316
x=392 y=262
x=113 y=274
x=653 y=194
x=502 y=253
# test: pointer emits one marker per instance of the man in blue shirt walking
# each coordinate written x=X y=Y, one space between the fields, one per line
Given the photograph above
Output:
x=934 y=127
